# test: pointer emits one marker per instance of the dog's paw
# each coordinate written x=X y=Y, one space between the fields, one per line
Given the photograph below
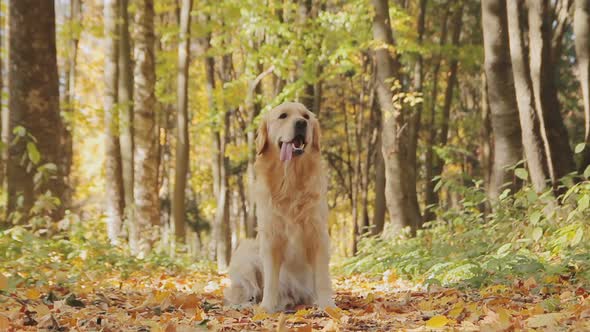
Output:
x=269 y=307
x=324 y=302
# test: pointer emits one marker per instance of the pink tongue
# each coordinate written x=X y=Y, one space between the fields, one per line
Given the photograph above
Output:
x=286 y=151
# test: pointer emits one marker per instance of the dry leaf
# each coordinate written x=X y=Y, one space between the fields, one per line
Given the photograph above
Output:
x=438 y=321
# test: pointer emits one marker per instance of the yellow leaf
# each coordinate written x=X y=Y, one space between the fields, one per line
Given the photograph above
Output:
x=199 y=315
x=260 y=316
x=302 y=312
x=546 y=320
x=370 y=298
x=334 y=312
x=32 y=294
x=438 y=321
x=456 y=311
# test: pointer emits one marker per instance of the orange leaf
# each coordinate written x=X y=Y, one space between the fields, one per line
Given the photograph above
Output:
x=3 y=282
x=32 y=294
x=334 y=312
x=4 y=323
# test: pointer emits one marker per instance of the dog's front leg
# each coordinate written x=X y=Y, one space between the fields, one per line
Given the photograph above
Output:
x=272 y=257
x=322 y=280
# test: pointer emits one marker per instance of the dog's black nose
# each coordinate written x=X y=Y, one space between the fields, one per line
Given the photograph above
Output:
x=300 y=124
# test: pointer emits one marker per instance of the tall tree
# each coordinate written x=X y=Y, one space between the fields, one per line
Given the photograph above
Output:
x=221 y=226
x=147 y=202
x=501 y=96
x=558 y=152
x=438 y=163
x=529 y=119
x=582 y=41
x=34 y=105
x=401 y=209
x=430 y=197
x=75 y=22
x=113 y=176
x=125 y=100
x=182 y=120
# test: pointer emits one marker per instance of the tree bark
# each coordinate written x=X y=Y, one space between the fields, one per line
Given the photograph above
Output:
x=147 y=202
x=34 y=104
x=558 y=152
x=582 y=41
x=380 y=206
x=113 y=176
x=221 y=227
x=182 y=121
x=125 y=102
x=401 y=211
x=430 y=197
x=529 y=120
x=501 y=97
x=457 y=23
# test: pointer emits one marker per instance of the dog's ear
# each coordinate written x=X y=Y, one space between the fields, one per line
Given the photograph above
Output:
x=262 y=137
x=317 y=135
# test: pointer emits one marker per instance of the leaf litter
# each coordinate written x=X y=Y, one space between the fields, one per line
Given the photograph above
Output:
x=194 y=302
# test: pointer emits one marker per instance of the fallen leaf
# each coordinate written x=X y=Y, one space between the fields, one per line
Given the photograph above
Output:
x=334 y=312
x=438 y=321
x=4 y=323
x=545 y=320
x=281 y=326
x=306 y=328
x=3 y=282
x=32 y=294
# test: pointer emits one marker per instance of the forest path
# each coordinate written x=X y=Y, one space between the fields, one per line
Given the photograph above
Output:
x=145 y=301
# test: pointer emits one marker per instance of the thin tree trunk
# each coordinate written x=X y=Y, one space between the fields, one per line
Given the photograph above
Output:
x=429 y=194
x=582 y=41
x=456 y=22
x=145 y=157
x=221 y=227
x=485 y=155
x=113 y=177
x=401 y=212
x=4 y=111
x=125 y=100
x=529 y=120
x=182 y=138
x=501 y=96
x=380 y=206
x=416 y=116
x=553 y=132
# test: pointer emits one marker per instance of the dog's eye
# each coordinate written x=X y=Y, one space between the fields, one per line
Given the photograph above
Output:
x=306 y=116
x=283 y=115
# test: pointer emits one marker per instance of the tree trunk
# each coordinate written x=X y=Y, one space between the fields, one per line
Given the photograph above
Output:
x=456 y=22
x=401 y=212
x=501 y=97
x=529 y=120
x=304 y=15
x=75 y=19
x=558 y=152
x=147 y=202
x=182 y=138
x=582 y=33
x=430 y=197
x=125 y=101
x=113 y=176
x=221 y=228
x=34 y=105
x=380 y=206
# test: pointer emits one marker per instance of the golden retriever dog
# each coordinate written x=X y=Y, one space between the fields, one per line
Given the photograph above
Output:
x=292 y=252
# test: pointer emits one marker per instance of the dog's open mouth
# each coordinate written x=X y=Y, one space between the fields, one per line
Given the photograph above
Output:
x=294 y=147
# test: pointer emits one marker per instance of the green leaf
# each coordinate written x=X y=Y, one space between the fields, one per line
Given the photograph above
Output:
x=584 y=202
x=521 y=173
x=33 y=153
x=503 y=250
x=537 y=233
x=19 y=131
x=587 y=172
x=578 y=237
x=580 y=147
x=535 y=217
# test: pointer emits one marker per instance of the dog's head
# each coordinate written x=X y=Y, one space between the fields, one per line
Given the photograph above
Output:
x=290 y=130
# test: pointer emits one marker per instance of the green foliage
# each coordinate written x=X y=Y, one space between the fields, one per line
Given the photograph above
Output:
x=522 y=238
x=79 y=252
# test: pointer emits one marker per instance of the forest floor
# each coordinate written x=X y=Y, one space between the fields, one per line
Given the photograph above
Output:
x=155 y=301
